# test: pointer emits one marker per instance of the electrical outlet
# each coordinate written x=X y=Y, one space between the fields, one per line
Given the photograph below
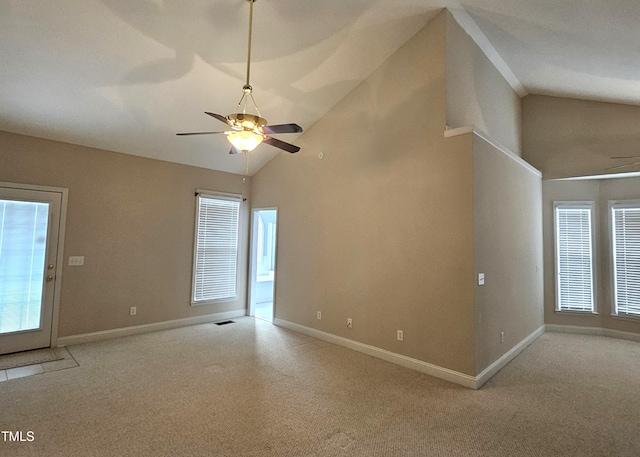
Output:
x=76 y=261
x=502 y=337
x=319 y=315
x=400 y=335
x=349 y=322
x=133 y=311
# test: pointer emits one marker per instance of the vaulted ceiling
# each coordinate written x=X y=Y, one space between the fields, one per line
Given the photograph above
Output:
x=127 y=75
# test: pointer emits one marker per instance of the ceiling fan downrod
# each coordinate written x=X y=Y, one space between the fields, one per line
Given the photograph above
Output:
x=247 y=90
x=247 y=85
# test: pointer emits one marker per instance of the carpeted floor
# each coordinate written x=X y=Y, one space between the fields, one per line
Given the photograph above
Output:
x=252 y=389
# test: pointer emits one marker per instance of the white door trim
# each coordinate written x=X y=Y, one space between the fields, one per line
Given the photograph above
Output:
x=60 y=256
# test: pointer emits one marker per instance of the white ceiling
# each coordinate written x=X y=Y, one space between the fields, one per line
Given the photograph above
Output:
x=127 y=75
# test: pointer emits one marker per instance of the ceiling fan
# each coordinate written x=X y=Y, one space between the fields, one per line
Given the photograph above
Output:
x=625 y=165
x=247 y=131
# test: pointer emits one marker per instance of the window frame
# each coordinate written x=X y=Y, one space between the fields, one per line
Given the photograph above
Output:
x=590 y=205
x=613 y=205
x=201 y=193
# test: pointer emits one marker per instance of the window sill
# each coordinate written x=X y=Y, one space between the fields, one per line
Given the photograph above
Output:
x=213 y=302
x=577 y=313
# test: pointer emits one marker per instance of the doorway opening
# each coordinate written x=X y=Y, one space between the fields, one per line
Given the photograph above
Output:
x=31 y=234
x=263 y=263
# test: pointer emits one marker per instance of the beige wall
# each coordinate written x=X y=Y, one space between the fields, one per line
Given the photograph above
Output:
x=381 y=228
x=564 y=137
x=601 y=192
x=133 y=220
x=575 y=138
x=477 y=94
x=507 y=249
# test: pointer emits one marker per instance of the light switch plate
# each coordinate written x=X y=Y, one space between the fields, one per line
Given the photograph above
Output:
x=481 y=279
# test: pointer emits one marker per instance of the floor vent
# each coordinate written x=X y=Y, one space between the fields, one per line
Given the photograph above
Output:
x=224 y=322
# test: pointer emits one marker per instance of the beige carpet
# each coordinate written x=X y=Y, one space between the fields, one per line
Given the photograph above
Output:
x=252 y=389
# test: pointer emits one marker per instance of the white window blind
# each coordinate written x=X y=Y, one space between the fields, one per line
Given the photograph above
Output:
x=216 y=248
x=626 y=259
x=574 y=258
x=23 y=246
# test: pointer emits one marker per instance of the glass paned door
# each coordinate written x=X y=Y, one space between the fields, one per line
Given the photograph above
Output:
x=23 y=245
x=29 y=222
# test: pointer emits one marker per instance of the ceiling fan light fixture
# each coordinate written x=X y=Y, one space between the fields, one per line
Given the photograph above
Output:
x=245 y=140
x=249 y=130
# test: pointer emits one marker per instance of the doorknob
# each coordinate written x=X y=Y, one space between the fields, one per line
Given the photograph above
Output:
x=49 y=278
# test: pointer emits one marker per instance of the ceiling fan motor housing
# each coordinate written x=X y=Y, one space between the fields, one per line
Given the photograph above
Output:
x=247 y=122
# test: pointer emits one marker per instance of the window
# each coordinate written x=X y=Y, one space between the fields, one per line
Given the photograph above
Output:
x=574 y=257
x=625 y=218
x=216 y=248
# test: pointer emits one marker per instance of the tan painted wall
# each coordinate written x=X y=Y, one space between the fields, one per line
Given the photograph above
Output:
x=381 y=228
x=568 y=138
x=601 y=192
x=133 y=220
x=477 y=94
x=564 y=137
x=508 y=250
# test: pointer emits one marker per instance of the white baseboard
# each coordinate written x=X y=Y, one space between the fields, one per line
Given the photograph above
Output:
x=472 y=382
x=146 y=328
x=407 y=362
x=496 y=366
x=593 y=331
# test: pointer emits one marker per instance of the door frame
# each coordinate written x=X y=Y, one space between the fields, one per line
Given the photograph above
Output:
x=253 y=265
x=57 y=282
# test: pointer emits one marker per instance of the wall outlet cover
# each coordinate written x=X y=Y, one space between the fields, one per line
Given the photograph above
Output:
x=76 y=261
